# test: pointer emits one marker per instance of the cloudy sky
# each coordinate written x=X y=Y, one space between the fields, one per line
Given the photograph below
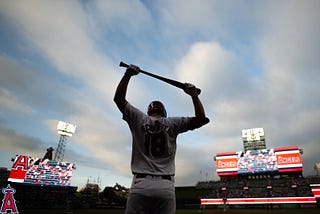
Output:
x=257 y=63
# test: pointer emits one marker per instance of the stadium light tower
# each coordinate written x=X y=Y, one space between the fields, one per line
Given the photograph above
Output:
x=64 y=130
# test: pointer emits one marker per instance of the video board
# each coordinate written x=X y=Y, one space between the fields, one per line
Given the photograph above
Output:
x=29 y=170
x=265 y=161
x=257 y=161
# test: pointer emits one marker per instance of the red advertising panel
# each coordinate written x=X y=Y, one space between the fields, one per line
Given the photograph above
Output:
x=315 y=188
x=227 y=163
x=250 y=201
x=289 y=159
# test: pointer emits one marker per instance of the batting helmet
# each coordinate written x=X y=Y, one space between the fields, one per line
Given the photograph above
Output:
x=157 y=106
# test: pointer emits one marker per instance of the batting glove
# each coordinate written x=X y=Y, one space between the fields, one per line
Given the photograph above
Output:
x=132 y=70
x=190 y=89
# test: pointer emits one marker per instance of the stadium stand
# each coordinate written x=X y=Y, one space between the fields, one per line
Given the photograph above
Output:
x=262 y=191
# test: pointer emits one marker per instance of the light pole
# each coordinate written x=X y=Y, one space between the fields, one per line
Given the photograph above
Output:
x=64 y=130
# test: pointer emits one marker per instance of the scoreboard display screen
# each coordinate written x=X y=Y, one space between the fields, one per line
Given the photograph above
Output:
x=257 y=161
x=265 y=161
x=29 y=170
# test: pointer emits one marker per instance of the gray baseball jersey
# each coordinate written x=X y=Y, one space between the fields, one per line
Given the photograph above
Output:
x=154 y=141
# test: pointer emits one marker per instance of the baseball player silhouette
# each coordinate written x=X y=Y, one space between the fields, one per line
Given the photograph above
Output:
x=153 y=148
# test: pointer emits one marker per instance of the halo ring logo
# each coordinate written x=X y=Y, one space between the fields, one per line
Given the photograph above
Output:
x=8 y=202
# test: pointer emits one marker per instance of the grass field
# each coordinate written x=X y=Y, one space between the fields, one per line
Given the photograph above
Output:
x=210 y=211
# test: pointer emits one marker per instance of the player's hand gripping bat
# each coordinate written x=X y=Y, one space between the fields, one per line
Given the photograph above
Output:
x=169 y=81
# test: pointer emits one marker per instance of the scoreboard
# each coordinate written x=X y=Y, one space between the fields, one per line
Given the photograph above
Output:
x=29 y=170
x=265 y=161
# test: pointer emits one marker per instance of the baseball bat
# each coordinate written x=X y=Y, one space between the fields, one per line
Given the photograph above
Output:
x=169 y=81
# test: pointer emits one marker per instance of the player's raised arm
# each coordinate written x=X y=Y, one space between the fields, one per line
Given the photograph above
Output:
x=200 y=116
x=121 y=91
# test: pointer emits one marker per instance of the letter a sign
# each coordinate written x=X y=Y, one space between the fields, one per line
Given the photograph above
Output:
x=8 y=202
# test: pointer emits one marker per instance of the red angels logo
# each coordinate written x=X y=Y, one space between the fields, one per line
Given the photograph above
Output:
x=8 y=202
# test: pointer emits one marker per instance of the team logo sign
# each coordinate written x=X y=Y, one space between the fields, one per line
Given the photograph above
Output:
x=8 y=202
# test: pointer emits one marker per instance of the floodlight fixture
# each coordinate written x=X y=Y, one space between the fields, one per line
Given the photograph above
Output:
x=64 y=130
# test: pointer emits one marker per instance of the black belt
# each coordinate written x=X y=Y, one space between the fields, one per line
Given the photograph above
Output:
x=143 y=175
